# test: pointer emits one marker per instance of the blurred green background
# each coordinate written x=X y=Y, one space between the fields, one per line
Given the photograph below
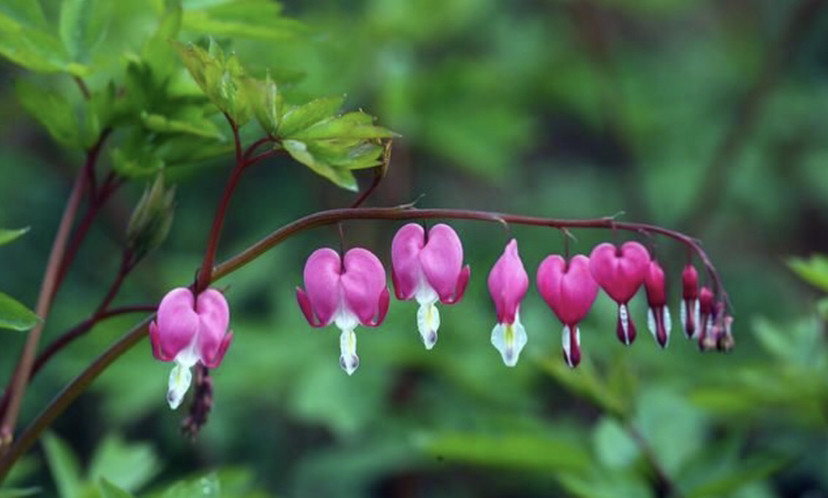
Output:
x=703 y=116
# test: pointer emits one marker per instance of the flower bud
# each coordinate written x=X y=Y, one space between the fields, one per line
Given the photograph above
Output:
x=151 y=219
x=690 y=301
x=706 y=319
x=658 y=315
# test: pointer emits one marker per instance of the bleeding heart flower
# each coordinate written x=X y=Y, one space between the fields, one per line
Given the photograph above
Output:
x=658 y=315
x=188 y=330
x=569 y=290
x=620 y=272
x=428 y=269
x=347 y=292
x=690 y=301
x=508 y=283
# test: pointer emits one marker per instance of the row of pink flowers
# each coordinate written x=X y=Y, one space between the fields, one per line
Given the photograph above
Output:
x=351 y=290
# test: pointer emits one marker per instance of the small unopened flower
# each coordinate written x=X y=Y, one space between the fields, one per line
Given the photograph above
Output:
x=189 y=330
x=428 y=268
x=508 y=283
x=706 y=318
x=690 y=301
x=658 y=314
x=620 y=272
x=345 y=291
x=569 y=290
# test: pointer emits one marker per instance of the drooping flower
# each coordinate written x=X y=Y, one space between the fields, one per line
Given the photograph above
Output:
x=706 y=318
x=508 y=283
x=188 y=330
x=620 y=272
x=345 y=291
x=690 y=301
x=428 y=268
x=569 y=289
x=658 y=314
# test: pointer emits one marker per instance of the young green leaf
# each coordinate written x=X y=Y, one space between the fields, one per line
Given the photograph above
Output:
x=814 y=270
x=258 y=19
x=83 y=25
x=26 y=39
x=51 y=110
x=340 y=176
x=219 y=77
x=298 y=118
x=353 y=125
x=7 y=236
x=266 y=103
x=14 y=315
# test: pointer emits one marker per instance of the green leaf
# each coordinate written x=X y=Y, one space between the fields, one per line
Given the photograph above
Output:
x=20 y=492
x=51 y=110
x=7 y=236
x=340 y=176
x=511 y=451
x=219 y=77
x=63 y=465
x=25 y=38
x=109 y=490
x=198 y=126
x=130 y=466
x=14 y=315
x=258 y=19
x=814 y=271
x=83 y=25
x=754 y=469
x=353 y=125
x=614 y=447
x=203 y=487
x=298 y=118
x=266 y=103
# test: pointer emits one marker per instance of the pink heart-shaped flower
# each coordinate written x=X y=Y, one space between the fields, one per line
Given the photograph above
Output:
x=568 y=289
x=619 y=271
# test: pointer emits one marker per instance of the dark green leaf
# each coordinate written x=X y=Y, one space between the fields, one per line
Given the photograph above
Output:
x=131 y=466
x=14 y=315
x=109 y=490
x=51 y=110
x=63 y=465
x=7 y=236
x=203 y=487
x=512 y=451
x=20 y=492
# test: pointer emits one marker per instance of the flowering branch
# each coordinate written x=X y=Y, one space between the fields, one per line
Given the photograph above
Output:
x=403 y=212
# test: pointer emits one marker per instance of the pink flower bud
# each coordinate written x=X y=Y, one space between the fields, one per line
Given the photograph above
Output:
x=569 y=290
x=620 y=272
x=658 y=315
x=346 y=292
x=188 y=330
x=690 y=301
x=428 y=269
x=508 y=283
x=706 y=318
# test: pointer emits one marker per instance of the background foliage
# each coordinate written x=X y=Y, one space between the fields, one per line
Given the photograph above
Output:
x=705 y=116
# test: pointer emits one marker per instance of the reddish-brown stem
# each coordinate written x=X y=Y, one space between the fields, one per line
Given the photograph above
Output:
x=204 y=275
x=44 y=302
x=255 y=145
x=408 y=212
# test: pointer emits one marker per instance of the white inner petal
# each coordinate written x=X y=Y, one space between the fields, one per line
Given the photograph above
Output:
x=428 y=321
x=567 y=343
x=668 y=321
x=683 y=315
x=348 y=359
x=651 y=323
x=696 y=317
x=509 y=339
x=180 y=379
x=624 y=316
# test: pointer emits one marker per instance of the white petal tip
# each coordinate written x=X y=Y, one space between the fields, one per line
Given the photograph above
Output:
x=509 y=340
x=428 y=322
x=349 y=365
x=179 y=383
